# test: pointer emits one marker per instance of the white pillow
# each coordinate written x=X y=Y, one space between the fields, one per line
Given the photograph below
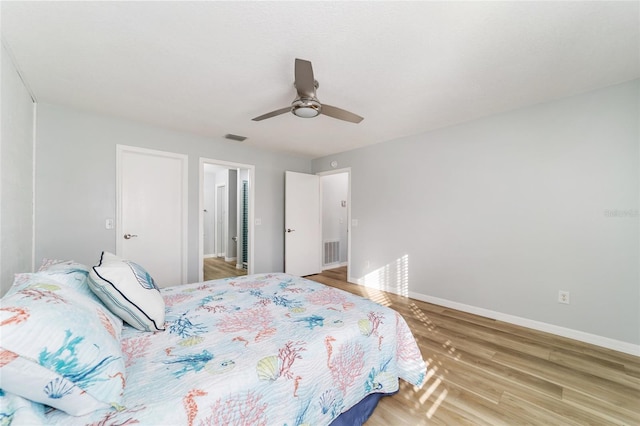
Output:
x=128 y=291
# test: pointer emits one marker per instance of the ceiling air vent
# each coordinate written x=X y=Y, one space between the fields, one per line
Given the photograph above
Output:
x=235 y=137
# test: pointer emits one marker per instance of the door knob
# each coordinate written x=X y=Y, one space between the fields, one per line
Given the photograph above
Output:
x=290 y=230
x=129 y=236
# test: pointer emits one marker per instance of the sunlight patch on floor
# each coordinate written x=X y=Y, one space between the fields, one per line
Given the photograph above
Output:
x=394 y=278
x=434 y=370
x=429 y=391
x=437 y=403
x=378 y=297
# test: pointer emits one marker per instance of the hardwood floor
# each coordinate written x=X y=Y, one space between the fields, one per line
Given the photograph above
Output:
x=486 y=372
x=216 y=268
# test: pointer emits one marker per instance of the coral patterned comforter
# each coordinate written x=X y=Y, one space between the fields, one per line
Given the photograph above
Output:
x=260 y=350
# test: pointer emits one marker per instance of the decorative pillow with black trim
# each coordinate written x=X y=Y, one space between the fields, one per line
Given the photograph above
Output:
x=128 y=290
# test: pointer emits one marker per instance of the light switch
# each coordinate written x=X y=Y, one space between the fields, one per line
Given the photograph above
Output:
x=108 y=224
x=258 y=222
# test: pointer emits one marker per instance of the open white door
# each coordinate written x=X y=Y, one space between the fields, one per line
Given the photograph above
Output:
x=302 y=242
x=152 y=212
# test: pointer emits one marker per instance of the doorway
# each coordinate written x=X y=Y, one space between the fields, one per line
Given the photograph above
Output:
x=226 y=219
x=324 y=199
x=335 y=199
x=302 y=237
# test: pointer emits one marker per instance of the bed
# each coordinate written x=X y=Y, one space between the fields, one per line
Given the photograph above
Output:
x=265 y=349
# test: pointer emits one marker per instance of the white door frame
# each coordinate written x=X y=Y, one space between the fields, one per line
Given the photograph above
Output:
x=346 y=170
x=120 y=149
x=251 y=168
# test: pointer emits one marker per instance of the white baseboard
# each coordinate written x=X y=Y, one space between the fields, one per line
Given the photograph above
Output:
x=239 y=266
x=594 y=339
x=230 y=259
x=208 y=256
x=333 y=265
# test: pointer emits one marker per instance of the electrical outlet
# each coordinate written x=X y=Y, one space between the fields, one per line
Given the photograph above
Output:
x=563 y=297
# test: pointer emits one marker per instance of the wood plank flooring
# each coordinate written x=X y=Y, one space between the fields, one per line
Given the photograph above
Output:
x=216 y=268
x=486 y=372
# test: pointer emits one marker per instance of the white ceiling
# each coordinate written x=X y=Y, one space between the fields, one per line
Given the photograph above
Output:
x=407 y=67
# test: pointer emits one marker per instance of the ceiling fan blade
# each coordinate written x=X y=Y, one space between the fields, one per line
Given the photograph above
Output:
x=305 y=83
x=340 y=114
x=272 y=114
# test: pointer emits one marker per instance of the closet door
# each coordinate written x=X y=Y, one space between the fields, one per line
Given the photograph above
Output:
x=152 y=212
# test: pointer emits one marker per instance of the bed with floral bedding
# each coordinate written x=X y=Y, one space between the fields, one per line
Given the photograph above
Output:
x=266 y=349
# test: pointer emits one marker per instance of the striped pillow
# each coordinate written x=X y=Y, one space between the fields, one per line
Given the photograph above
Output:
x=128 y=290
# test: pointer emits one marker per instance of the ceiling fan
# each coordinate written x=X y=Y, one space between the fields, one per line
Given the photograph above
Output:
x=306 y=104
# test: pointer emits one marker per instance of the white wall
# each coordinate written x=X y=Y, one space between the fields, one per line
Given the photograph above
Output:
x=209 y=218
x=335 y=189
x=222 y=179
x=498 y=214
x=16 y=175
x=75 y=184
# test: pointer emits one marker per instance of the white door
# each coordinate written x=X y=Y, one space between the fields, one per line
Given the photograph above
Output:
x=152 y=212
x=302 y=241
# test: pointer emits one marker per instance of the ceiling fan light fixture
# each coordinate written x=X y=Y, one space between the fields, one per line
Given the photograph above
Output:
x=306 y=105
x=306 y=108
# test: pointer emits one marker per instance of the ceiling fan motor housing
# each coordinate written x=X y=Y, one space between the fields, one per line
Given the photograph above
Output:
x=306 y=107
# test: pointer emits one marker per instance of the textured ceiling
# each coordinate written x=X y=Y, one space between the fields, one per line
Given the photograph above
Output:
x=406 y=67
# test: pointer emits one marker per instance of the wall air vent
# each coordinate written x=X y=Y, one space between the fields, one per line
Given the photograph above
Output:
x=235 y=137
